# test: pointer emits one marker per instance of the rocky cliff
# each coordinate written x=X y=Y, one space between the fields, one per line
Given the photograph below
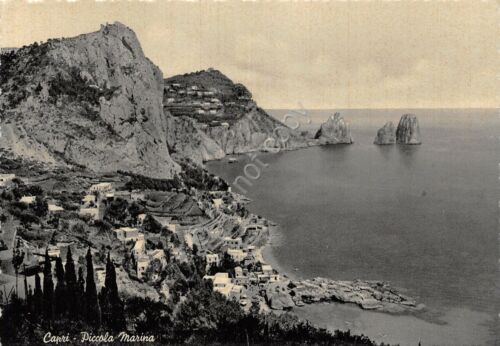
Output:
x=386 y=134
x=93 y=100
x=334 y=131
x=408 y=131
x=215 y=116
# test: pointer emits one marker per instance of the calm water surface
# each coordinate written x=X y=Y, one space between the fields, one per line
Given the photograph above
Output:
x=423 y=217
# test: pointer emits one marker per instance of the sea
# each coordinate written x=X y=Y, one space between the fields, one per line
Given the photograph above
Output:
x=424 y=218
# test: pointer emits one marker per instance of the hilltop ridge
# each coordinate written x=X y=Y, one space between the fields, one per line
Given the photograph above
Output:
x=214 y=117
x=93 y=100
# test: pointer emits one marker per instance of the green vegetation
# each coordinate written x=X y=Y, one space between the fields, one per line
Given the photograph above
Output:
x=203 y=317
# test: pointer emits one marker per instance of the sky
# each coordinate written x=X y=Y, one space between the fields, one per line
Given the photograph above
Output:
x=320 y=55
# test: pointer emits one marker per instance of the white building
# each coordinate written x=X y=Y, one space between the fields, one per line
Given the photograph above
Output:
x=236 y=254
x=218 y=202
x=101 y=187
x=28 y=200
x=54 y=208
x=126 y=234
x=233 y=242
x=142 y=265
x=94 y=213
x=212 y=259
x=6 y=179
x=87 y=199
x=100 y=274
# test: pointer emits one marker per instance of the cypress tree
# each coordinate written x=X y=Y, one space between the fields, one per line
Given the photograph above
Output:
x=48 y=288
x=38 y=296
x=60 y=293
x=92 y=314
x=71 y=283
x=80 y=294
x=112 y=306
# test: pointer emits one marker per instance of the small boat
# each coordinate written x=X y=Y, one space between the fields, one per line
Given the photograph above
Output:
x=232 y=160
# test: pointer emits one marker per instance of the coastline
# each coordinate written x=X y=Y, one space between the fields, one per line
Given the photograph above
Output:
x=404 y=328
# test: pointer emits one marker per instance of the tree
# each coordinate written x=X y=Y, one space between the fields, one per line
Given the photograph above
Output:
x=17 y=258
x=48 y=288
x=111 y=304
x=151 y=225
x=60 y=296
x=37 y=297
x=71 y=283
x=92 y=313
x=40 y=207
x=80 y=294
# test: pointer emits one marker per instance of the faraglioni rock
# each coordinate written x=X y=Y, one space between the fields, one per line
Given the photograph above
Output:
x=334 y=131
x=408 y=131
x=386 y=134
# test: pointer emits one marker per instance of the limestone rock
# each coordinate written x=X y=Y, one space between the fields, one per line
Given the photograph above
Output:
x=408 y=131
x=334 y=131
x=386 y=134
x=94 y=100
x=217 y=117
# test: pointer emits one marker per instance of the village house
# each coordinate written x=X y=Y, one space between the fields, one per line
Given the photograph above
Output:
x=95 y=213
x=126 y=234
x=6 y=179
x=212 y=259
x=101 y=187
x=54 y=209
x=158 y=254
x=139 y=246
x=28 y=200
x=88 y=199
x=267 y=269
x=232 y=242
x=240 y=276
x=217 y=202
x=100 y=274
x=142 y=265
x=53 y=251
x=221 y=282
x=225 y=124
x=236 y=254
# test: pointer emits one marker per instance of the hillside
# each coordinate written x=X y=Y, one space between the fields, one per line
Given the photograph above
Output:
x=213 y=116
x=93 y=100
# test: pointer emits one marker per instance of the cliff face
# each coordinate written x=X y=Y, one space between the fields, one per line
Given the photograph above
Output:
x=386 y=134
x=94 y=100
x=215 y=117
x=408 y=131
x=334 y=131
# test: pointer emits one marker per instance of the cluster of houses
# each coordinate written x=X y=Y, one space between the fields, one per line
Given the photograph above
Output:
x=189 y=100
x=244 y=279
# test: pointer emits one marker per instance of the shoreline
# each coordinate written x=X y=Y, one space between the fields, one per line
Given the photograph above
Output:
x=403 y=328
x=373 y=295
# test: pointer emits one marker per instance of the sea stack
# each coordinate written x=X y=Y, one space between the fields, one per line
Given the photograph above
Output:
x=408 y=131
x=334 y=131
x=386 y=134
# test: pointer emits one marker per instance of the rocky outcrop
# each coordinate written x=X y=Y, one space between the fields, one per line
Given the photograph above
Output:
x=278 y=297
x=386 y=134
x=334 y=131
x=94 y=100
x=408 y=131
x=369 y=295
x=217 y=117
